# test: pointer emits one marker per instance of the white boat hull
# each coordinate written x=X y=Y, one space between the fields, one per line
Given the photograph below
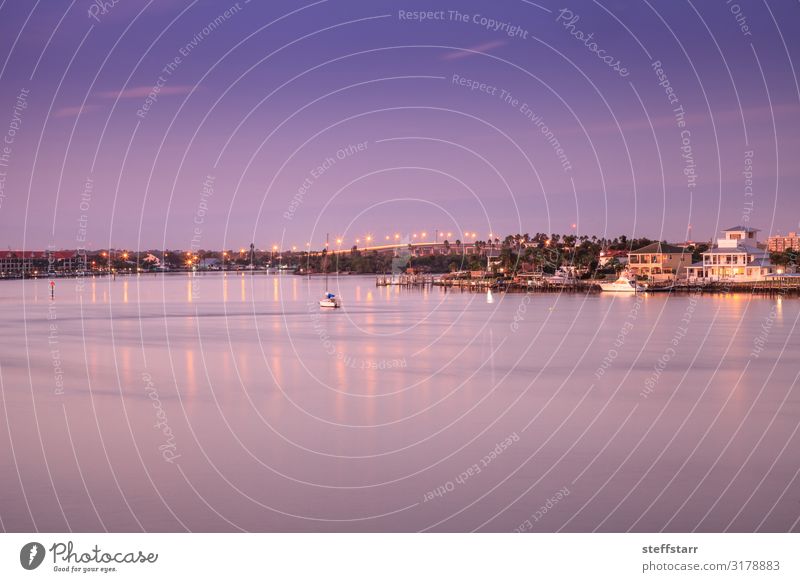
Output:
x=622 y=285
x=330 y=303
x=613 y=288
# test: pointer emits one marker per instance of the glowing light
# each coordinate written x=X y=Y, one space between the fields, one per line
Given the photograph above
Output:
x=274 y=247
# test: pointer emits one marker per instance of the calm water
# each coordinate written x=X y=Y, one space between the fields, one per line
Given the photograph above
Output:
x=220 y=403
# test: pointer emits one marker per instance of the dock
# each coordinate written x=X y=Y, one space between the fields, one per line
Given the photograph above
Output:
x=784 y=286
x=404 y=280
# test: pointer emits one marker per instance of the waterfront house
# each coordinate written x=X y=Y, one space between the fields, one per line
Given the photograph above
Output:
x=736 y=257
x=659 y=261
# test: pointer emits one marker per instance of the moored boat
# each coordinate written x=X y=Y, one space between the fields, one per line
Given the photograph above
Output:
x=624 y=284
x=562 y=276
x=329 y=300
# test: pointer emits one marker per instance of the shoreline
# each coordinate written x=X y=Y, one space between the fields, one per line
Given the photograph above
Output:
x=787 y=287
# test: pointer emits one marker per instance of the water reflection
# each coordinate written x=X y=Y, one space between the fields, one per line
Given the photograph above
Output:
x=311 y=412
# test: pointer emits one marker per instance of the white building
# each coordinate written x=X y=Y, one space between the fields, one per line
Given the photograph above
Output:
x=736 y=257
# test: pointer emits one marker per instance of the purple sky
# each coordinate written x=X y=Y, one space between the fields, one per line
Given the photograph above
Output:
x=263 y=97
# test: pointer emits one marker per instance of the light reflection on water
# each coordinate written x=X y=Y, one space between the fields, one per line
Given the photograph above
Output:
x=287 y=418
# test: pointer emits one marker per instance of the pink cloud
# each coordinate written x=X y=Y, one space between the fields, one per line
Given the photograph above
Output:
x=144 y=90
x=472 y=50
x=73 y=110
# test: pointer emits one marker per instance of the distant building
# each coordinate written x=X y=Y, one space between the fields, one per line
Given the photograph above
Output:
x=27 y=263
x=210 y=263
x=736 y=257
x=659 y=261
x=779 y=244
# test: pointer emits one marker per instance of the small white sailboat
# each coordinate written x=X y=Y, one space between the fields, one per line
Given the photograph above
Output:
x=329 y=300
x=624 y=284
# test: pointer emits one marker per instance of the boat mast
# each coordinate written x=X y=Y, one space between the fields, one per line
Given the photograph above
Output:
x=325 y=261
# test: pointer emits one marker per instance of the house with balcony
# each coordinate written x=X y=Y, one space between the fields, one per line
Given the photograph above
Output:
x=659 y=261
x=736 y=257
